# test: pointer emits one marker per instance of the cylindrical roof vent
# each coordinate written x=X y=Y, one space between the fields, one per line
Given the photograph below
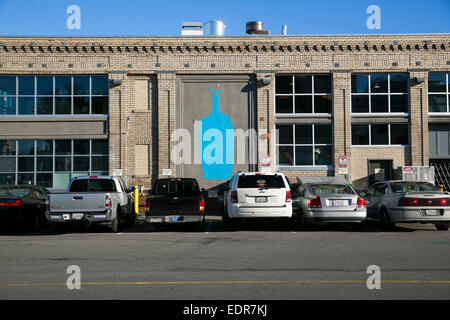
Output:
x=284 y=30
x=215 y=28
x=255 y=27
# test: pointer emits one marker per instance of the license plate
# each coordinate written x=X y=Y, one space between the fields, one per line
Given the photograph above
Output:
x=261 y=199
x=431 y=212
x=77 y=216
x=173 y=218
x=154 y=219
x=339 y=203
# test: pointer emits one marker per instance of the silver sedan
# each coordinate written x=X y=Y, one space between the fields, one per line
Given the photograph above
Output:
x=320 y=203
x=408 y=201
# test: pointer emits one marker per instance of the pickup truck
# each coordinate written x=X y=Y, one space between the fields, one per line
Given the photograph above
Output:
x=175 y=200
x=91 y=200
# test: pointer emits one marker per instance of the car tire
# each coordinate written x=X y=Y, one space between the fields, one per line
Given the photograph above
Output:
x=442 y=226
x=385 y=220
x=115 y=222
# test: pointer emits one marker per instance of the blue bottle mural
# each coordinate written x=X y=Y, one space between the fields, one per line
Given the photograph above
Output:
x=216 y=143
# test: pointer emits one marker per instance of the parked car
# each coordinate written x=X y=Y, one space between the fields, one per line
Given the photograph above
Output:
x=321 y=200
x=23 y=205
x=92 y=200
x=408 y=201
x=175 y=200
x=254 y=195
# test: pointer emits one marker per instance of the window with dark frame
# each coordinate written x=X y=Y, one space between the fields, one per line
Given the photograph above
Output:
x=49 y=95
x=439 y=92
x=303 y=94
x=380 y=134
x=380 y=93
x=51 y=163
x=304 y=145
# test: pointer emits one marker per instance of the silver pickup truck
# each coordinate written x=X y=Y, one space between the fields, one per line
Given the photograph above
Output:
x=91 y=200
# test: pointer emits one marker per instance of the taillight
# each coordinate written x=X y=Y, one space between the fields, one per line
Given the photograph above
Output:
x=288 y=196
x=11 y=203
x=201 y=205
x=407 y=202
x=443 y=202
x=108 y=203
x=361 y=202
x=315 y=203
x=147 y=206
x=234 y=197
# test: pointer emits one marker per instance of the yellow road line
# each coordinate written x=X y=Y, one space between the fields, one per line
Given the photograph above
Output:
x=224 y=282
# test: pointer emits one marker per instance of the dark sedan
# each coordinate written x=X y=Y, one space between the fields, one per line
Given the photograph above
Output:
x=23 y=205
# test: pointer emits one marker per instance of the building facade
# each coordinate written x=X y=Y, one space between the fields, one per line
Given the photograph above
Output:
x=305 y=105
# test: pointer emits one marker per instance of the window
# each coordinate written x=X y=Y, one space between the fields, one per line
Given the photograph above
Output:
x=379 y=134
x=380 y=93
x=48 y=95
x=51 y=163
x=438 y=92
x=304 y=145
x=303 y=94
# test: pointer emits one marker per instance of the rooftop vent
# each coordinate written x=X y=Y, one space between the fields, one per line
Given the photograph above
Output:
x=255 y=27
x=215 y=28
x=192 y=29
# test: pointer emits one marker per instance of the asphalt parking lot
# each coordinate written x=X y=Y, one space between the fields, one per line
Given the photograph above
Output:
x=256 y=261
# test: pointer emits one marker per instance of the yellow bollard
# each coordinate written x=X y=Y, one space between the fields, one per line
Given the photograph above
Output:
x=441 y=187
x=136 y=200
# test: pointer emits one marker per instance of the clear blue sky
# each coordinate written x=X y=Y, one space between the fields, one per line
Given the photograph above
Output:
x=164 y=18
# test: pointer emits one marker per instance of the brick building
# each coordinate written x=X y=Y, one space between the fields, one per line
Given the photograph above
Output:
x=108 y=105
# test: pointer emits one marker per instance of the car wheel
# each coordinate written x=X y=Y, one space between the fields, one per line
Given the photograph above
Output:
x=385 y=220
x=115 y=222
x=442 y=226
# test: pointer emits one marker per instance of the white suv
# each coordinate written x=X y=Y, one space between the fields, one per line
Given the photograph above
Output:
x=257 y=195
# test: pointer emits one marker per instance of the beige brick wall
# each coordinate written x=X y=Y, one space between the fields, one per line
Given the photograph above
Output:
x=142 y=109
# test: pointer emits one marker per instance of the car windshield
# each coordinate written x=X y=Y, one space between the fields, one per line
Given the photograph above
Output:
x=403 y=187
x=177 y=186
x=331 y=189
x=261 y=181
x=16 y=192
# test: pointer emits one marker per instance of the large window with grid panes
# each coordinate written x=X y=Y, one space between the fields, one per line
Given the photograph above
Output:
x=380 y=134
x=304 y=145
x=439 y=92
x=51 y=163
x=54 y=95
x=380 y=93
x=303 y=95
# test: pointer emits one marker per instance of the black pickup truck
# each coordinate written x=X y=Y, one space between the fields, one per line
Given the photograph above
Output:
x=175 y=200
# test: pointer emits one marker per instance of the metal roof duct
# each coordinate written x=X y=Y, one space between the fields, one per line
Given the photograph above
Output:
x=215 y=28
x=255 y=27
